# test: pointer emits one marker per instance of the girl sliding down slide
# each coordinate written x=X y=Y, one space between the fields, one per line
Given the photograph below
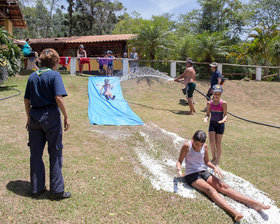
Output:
x=107 y=90
x=195 y=153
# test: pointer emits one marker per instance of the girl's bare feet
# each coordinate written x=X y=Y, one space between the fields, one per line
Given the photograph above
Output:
x=259 y=206
x=238 y=217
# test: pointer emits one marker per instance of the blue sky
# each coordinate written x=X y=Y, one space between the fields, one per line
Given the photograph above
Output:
x=148 y=8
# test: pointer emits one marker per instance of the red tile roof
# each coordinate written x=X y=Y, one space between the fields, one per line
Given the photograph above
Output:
x=9 y=9
x=85 y=39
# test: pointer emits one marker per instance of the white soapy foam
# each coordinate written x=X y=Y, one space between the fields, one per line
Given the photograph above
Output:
x=160 y=179
x=161 y=174
x=177 y=140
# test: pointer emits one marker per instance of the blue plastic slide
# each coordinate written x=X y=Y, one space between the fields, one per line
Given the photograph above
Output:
x=107 y=105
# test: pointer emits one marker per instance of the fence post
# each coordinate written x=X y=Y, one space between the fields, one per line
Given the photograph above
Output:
x=220 y=68
x=73 y=66
x=173 y=69
x=258 y=73
x=125 y=66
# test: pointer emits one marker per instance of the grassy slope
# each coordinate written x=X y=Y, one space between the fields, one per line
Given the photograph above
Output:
x=100 y=172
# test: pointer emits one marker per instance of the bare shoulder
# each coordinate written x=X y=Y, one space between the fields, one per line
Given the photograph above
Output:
x=186 y=147
x=224 y=102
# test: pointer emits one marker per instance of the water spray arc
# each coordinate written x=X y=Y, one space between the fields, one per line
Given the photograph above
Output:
x=152 y=73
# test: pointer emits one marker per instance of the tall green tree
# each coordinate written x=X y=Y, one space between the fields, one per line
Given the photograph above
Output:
x=215 y=16
x=261 y=39
x=266 y=12
x=129 y=23
x=155 y=39
x=70 y=8
x=98 y=16
x=261 y=48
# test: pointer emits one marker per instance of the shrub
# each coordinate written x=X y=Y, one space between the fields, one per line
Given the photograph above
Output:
x=10 y=54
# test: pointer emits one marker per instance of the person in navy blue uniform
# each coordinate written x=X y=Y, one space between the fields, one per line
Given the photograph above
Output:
x=216 y=78
x=43 y=101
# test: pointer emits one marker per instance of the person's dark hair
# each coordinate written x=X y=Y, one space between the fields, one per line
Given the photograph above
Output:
x=189 y=60
x=27 y=39
x=49 y=58
x=200 y=136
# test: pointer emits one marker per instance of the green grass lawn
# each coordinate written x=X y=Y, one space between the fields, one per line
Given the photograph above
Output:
x=101 y=171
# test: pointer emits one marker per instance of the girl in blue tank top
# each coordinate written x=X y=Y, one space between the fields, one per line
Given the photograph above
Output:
x=217 y=108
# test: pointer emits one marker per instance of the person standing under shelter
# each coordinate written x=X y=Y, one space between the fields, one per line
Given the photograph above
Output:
x=189 y=80
x=110 y=63
x=81 y=53
x=133 y=64
x=43 y=102
x=216 y=78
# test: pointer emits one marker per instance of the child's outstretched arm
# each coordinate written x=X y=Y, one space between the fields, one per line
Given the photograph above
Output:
x=224 y=105
x=101 y=90
x=183 y=153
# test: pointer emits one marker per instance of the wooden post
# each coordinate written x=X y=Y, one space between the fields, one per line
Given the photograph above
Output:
x=173 y=69
x=73 y=68
x=8 y=26
x=30 y=64
x=258 y=73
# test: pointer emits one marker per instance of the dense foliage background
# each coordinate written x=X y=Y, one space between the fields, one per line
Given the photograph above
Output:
x=220 y=30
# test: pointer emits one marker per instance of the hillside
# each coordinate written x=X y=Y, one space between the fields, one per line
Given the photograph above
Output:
x=122 y=174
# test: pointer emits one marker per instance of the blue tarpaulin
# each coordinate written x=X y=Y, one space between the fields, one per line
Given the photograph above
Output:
x=109 y=109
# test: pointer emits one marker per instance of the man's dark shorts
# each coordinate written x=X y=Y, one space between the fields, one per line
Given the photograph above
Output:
x=216 y=127
x=198 y=175
x=190 y=88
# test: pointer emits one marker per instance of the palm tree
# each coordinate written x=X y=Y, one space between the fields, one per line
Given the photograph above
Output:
x=260 y=45
x=151 y=41
x=210 y=46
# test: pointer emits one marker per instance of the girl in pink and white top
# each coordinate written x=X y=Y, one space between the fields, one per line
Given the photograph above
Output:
x=195 y=154
x=218 y=110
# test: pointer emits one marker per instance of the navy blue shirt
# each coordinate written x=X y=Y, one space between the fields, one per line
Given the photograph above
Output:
x=214 y=77
x=42 y=89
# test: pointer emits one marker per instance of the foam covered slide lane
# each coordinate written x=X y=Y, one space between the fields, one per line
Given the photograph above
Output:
x=107 y=105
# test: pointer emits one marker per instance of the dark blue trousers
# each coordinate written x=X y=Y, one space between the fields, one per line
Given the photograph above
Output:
x=45 y=126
